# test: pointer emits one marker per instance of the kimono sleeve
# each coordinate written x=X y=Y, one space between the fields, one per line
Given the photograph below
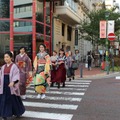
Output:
x=35 y=63
x=47 y=65
x=0 y=76
x=29 y=65
x=15 y=74
x=16 y=59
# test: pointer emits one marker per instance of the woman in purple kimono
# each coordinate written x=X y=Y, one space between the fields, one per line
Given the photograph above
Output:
x=10 y=101
x=24 y=64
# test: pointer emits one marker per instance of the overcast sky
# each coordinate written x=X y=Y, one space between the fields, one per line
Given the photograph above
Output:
x=118 y=1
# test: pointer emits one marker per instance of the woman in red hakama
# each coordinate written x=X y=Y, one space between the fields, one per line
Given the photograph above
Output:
x=61 y=70
x=54 y=67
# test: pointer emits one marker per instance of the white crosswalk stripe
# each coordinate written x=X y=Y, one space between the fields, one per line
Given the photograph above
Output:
x=52 y=116
x=56 y=99
x=58 y=92
x=50 y=105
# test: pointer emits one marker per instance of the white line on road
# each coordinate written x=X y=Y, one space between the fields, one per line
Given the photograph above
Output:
x=117 y=77
x=77 y=83
x=71 y=99
x=77 y=89
x=77 y=86
x=50 y=116
x=60 y=93
x=81 y=81
x=50 y=105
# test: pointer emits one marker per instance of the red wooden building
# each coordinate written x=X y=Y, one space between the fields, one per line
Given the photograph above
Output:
x=47 y=38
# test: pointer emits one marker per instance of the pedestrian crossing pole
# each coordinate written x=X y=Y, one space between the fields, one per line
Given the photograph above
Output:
x=106 y=59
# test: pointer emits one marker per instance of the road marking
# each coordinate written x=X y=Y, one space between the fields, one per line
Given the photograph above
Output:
x=60 y=93
x=77 y=86
x=77 y=83
x=77 y=89
x=50 y=105
x=71 y=99
x=50 y=116
x=117 y=77
x=81 y=81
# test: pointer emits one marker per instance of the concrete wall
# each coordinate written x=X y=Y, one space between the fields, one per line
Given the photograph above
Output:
x=23 y=14
x=23 y=29
x=21 y=2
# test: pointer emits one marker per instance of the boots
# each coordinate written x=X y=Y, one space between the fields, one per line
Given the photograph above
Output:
x=64 y=84
x=52 y=84
x=58 y=85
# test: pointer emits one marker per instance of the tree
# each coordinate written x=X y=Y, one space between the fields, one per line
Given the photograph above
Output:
x=91 y=27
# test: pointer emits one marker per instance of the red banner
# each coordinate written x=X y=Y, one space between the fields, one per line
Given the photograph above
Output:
x=103 y=29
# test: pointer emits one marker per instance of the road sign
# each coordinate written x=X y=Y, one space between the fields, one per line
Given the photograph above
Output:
x=111 y=36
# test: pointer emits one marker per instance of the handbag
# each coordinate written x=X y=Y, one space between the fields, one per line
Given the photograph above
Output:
x=86 y=65
x=75 y=66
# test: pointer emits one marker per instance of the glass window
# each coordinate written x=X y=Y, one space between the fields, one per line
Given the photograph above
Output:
x=15 y=10
x=22 y=24
x=16 y=24
x=18 y=10
x=4 y=8
x=28 y=8
x=69 y=33
x=4 y=25
x=63 y=29
x=22 y=9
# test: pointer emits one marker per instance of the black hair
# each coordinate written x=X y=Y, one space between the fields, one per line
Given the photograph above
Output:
x=55 y=51
x=76 y=50
x=62 y=50
x=43 y=46
x=22 y=47
x=9 y=53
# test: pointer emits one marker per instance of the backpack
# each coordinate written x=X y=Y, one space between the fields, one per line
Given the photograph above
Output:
x=89 y=57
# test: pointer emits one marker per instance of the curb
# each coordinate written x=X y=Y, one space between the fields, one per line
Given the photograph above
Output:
x=98 y=76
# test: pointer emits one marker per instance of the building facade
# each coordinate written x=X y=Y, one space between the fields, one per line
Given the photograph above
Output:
x=29 y=24
x=66 y=17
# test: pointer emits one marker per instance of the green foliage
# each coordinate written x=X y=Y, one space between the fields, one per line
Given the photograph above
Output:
x=92 y=28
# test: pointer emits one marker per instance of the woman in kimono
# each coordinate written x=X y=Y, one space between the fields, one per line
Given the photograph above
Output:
x=24 y=65
x=54 y=67
x=70 y=70
x=42 y=71
x=10 y=101
x=61 y=71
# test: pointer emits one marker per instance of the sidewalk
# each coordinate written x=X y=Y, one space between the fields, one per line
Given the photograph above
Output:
x=96 y=72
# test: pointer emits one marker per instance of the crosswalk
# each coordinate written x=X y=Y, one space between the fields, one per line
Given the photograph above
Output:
x=59 y=104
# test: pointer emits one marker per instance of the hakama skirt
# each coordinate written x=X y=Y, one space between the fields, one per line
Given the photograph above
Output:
x=10 y=104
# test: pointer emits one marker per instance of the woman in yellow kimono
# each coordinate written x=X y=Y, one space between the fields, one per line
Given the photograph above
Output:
x=42 y=72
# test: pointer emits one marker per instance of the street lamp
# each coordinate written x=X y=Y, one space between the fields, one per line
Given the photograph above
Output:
x=107 y=63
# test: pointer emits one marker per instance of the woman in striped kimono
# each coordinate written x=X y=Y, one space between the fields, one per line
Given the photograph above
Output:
x=42 y=72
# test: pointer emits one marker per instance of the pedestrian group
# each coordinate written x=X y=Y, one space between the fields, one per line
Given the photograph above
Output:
x=46 y=71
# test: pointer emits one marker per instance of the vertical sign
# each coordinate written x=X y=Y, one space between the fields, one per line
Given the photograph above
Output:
x=111 y=27
x=109 y=4
x=76 y=37
x=103 y=29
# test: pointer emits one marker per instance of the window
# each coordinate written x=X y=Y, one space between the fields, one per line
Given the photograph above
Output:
x=28 y=8
x=76 y=37
x=63 y=29
x=22 y=9
x=69 y=33
x=17 y=10
x=16 y=24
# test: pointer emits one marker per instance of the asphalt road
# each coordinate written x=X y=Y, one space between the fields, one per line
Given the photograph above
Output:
x=79 y=100
x=101 y=101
